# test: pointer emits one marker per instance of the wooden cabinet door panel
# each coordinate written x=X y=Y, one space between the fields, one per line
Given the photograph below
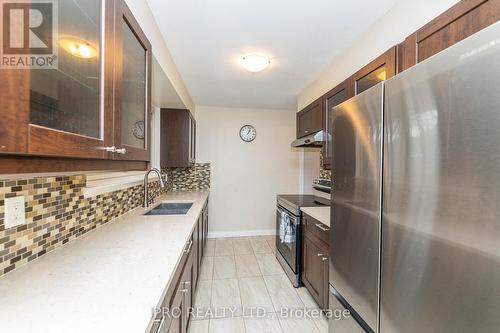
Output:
x=175 y=321
x=326 y=267
x=457 y=23
x=378 y=70
x=188 y=291
x=196 y=255
x=192 y=139
x=200 y=242
x=177 y=138
x=310 y=119
x=14 y=111
x=64 y=111
x=334 y=97
x=314 y=270
x=132 y=87
x=205 y=235
x=200 y=237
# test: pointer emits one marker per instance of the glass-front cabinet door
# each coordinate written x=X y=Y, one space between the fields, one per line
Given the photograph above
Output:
x=132 y=88
x=67 y=104
x=334 y=97
x=93 y=102
x=376 y=71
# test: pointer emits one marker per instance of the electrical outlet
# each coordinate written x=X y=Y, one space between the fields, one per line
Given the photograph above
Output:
x=15 y=214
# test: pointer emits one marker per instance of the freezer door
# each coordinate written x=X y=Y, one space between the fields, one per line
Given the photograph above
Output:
x=355 y=210
x=341 y=319
x=441 y=218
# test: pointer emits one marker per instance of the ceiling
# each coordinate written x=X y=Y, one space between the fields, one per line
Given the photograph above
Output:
x=207 y=38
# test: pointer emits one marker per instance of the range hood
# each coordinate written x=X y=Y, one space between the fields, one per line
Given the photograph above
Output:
x=313 y=140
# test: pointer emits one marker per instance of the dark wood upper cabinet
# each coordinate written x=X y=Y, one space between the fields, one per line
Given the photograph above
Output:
x=177 y=138
x=334 y=97
x=14 y=111
x=311 y=119
x=132 y=63
x=457 y=23
x=63 y=112
x=378 y=70
x=93 y=106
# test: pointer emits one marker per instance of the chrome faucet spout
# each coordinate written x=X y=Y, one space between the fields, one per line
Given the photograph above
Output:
x=146 y=190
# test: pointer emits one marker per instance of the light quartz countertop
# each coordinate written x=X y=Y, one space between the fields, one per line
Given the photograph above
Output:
x=108 y=280
x=321 y=214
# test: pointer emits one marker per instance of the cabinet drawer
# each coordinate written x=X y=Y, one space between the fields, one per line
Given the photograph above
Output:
x=316 y=228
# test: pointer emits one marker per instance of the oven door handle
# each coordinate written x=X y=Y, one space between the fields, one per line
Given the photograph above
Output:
x=281 y=211
x=293 y=218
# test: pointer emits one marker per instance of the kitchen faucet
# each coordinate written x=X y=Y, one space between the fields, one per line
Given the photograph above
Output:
x=146 y=191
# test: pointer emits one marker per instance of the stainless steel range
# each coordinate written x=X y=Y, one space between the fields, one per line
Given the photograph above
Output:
x=288 y=231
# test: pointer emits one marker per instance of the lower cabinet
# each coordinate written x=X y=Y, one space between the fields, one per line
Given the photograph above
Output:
x=315 y=250
x=179 y=298
x=176 y=321
x=188 y=285
x=196 y=253
x=205 y=224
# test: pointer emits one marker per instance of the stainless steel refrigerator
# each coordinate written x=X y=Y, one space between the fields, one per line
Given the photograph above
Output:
x=415 y=216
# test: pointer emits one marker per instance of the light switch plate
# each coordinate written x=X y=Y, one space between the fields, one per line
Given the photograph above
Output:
x=15 y=214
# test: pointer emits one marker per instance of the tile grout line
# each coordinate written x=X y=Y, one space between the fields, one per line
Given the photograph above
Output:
x=272 y=302
x=241 y=302
x=262 y=276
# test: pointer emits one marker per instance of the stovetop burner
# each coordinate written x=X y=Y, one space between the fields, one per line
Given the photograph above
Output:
x=304 y=200
x=293 y=202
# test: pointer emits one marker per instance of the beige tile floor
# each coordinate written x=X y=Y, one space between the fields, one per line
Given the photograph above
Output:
x=242 y=274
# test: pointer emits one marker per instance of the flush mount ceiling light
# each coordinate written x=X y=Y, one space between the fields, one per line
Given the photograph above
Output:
x=78 y=47
x=254 y=62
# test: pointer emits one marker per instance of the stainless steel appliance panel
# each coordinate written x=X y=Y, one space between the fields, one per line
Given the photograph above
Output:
x=339 y=321
x=356 y=208
x=441 y=217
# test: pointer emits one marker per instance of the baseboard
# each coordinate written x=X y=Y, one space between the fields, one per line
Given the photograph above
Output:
x=242 y=233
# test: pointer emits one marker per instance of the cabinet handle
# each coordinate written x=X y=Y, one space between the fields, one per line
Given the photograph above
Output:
x=122 y=151
x=111 y=149
x=320 y=226
x=325 y=258
x=162 y=323
x=184 y=291
x=187 y=283
x=320 y=254
x=189 y=247
x=306 y=131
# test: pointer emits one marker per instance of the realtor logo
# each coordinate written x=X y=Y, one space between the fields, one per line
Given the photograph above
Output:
x=28 y=34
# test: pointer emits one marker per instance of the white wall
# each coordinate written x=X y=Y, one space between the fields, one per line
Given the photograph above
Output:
x=144 y=16
x=403 y=19
x=246 y=177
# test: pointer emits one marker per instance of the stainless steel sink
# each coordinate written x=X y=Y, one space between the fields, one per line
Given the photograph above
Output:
x=171 y=208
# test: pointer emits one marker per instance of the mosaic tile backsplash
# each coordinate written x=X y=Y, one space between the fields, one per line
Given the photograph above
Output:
x=323 y=173
x=57 y=212
x=196 y=177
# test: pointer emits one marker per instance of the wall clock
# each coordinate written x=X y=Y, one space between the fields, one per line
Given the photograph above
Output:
x=138 y=130
x=248 y=133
